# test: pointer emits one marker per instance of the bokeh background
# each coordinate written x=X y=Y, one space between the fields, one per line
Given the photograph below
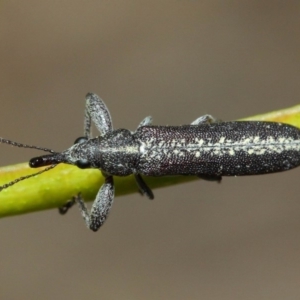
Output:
x=174 y=60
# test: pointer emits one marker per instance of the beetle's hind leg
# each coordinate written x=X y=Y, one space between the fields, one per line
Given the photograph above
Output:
x=143 y=187
x=206 y=119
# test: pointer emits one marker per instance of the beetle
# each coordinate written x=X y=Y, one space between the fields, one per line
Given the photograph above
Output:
x=207 y=148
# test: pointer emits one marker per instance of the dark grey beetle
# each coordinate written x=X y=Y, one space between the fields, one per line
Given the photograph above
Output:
x=206 y=148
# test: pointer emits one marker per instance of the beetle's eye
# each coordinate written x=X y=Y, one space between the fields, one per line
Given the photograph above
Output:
x=81 y=140
x=83 y=164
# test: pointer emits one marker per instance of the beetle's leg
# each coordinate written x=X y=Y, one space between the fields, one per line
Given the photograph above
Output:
x=206 y=119
x=96 y=111
x=146 y=122
x=64 y=209
x=101 y=206
x=143 y=188
x=216 y=178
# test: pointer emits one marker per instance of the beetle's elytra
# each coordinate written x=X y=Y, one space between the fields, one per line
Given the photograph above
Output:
x=206 y=148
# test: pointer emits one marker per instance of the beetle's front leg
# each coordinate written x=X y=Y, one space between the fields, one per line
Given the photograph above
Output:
x=96 y=111
x=101 y=206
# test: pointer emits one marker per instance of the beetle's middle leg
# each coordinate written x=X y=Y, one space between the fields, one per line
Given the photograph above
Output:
x=146 y=122
x=143 y=187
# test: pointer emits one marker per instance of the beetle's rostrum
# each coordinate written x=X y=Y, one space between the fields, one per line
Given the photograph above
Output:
x=205 y=148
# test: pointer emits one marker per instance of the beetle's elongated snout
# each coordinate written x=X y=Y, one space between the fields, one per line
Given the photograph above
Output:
x=45 y=160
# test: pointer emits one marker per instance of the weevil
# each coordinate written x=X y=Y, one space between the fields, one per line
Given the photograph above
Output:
x=206 y=148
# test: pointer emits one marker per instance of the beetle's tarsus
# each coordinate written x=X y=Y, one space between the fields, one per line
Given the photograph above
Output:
x=64 y=209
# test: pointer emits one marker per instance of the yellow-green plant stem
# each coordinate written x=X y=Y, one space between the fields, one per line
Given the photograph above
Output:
x=53 y=188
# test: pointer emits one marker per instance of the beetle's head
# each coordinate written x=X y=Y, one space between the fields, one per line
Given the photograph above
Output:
x=75 y=155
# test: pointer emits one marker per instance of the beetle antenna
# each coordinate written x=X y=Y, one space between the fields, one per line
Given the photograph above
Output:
x=5 y=186
x=12 y=143
x=15 y=144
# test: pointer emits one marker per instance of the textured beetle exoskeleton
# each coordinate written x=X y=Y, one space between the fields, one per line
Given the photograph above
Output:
x=206 y=148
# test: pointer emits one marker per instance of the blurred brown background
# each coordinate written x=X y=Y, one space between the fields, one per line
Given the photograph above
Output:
x=174 y=60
